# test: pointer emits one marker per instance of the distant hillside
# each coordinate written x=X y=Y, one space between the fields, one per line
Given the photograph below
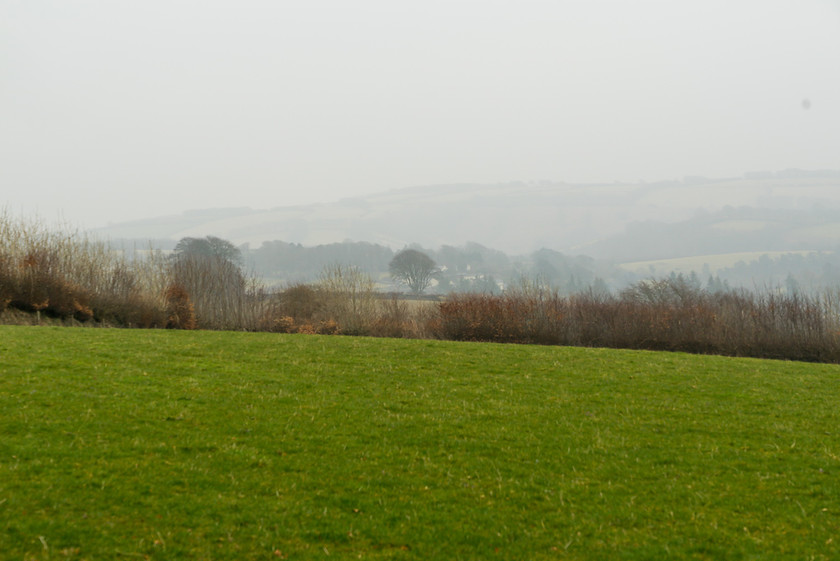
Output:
x=623 y=221
x=728 y=231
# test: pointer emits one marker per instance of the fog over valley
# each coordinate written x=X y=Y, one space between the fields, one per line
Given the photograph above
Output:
x=627 y=132
x=754 y=230
x=520 y=217
x=114 y=112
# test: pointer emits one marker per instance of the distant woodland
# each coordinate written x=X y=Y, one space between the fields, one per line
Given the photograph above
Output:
x=474 y=268
x=765 y=230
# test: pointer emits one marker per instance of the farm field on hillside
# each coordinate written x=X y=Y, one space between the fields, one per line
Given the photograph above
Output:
x=146 y=444
x=696 y=264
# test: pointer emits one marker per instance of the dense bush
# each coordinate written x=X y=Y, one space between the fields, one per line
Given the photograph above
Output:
x=655 y=315
x=180 y=311
x=344 y=300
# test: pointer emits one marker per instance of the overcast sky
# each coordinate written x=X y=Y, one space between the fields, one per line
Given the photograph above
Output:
x=114 y=110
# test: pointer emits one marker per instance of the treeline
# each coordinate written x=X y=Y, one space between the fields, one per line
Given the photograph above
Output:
x=802 y=273
x=473 y=267
x=68 y=278
x=280 y=262
x=468 y=268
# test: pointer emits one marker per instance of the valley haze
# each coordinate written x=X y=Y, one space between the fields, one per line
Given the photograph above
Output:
x=786 y=210
x=119 y=111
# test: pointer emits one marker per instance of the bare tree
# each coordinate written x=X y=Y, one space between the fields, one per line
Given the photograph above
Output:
x=413 y=268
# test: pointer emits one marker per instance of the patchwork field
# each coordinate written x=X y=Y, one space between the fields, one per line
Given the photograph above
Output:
x=124 y=444
x=715 y=263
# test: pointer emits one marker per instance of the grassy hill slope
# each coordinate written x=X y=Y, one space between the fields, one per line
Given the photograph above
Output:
x=174 y=445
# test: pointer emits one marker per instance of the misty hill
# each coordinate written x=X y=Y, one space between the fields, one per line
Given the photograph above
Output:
x=727 y=231
x=765 y=211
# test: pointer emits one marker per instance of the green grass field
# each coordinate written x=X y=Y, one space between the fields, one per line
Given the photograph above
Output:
x=122 y=444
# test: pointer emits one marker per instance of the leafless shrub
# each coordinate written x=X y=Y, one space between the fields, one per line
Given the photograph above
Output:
x=656 y=315
x=344 y=300
x=290 y=309
x=222 y=295
x=393 y=319
x=65 y=274
x=349 y=298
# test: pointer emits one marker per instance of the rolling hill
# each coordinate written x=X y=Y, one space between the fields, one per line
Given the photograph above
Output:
x=790 y=210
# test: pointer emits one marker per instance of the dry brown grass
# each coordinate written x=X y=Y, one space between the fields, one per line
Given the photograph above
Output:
x=62 y=274
x=57 y=272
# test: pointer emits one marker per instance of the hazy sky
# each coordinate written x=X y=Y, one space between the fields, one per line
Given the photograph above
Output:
x=112 y=110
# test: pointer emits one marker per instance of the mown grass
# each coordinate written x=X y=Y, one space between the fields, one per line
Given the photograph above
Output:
x=123 y=444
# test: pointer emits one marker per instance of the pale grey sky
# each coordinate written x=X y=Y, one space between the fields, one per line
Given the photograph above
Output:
x=114 y=110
